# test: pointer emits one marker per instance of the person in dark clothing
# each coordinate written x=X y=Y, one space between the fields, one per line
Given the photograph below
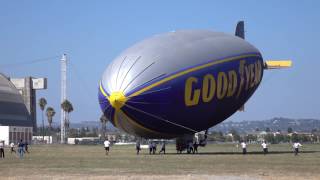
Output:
x=26 y=147
x=195 y=147
x=138 y=148
x=163 y=148
x=150 y=147
x=1 y=149
x=190 y=148
x=178 y=148
x=154 y=147
x=21 y=149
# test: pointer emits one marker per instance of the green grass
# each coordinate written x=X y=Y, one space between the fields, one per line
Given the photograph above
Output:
x=222 y=159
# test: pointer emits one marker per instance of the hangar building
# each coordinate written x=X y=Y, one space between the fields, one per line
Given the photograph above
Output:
x=17 y=108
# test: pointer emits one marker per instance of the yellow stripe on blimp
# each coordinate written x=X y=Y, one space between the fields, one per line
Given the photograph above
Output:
x=271 y=64
x=103 y=92
x=189 y=71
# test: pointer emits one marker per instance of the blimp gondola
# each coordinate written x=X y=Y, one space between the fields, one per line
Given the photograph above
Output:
x=181 y=82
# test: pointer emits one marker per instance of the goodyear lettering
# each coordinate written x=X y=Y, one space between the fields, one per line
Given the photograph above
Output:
x=222 y=85
x=247 y=72
x=208 y=88
x=225 y=85
x=191 y=96
x=232 y=86
x=241 y=72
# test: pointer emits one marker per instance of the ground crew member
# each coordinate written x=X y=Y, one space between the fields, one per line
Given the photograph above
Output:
x=264 y=147
x=163 y=148
x=244 y=147
x=107 y=146
x=296 y=146
x=190 y=147
x=1 y=149
x=138 y=148
x=196 y=143
x=154 y=147
x=150 y=147
x=21 y=149
x=12 y=148
x=26 y=147
x=195 y=147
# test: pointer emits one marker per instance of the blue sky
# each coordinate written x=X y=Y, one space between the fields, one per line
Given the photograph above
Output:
x=93 y=33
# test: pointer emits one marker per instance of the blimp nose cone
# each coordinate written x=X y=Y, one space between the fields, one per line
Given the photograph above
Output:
x=117 y=99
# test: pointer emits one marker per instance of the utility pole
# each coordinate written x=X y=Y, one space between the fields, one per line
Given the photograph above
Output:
x=63 y=95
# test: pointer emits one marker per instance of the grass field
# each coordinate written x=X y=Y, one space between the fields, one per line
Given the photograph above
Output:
x=213 y=162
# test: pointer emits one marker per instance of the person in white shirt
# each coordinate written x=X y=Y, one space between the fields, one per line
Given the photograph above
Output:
x=264 y=147
x=107 y=146
x=296 y=146
x=244 y=147
x=1 y=149
x=12 y=148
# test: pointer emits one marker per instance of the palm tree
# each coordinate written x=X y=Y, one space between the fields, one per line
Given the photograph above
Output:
x=67 y=107
x=50 y=112
x=42 y=104
x=104 y=120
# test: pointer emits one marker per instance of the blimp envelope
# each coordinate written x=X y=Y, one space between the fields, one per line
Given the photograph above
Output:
x=179 y=82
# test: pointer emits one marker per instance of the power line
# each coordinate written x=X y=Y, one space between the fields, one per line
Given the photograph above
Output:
x=17 y=64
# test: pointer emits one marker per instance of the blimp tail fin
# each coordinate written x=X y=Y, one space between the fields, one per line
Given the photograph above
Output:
x=240 y=30
x=271 y=64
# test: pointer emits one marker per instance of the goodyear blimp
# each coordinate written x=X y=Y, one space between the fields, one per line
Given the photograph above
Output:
x=181 y=82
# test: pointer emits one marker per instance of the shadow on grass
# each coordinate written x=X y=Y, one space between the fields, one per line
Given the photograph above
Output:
x=240 y=153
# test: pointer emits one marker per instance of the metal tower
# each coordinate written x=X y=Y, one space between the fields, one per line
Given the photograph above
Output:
x=63 y=95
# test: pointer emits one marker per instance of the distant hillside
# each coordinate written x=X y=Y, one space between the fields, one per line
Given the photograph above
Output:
x=278 y=123
x=91 y=124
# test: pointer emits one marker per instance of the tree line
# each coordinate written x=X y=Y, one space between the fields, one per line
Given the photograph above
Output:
x=50 y=112
x=273 y=138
